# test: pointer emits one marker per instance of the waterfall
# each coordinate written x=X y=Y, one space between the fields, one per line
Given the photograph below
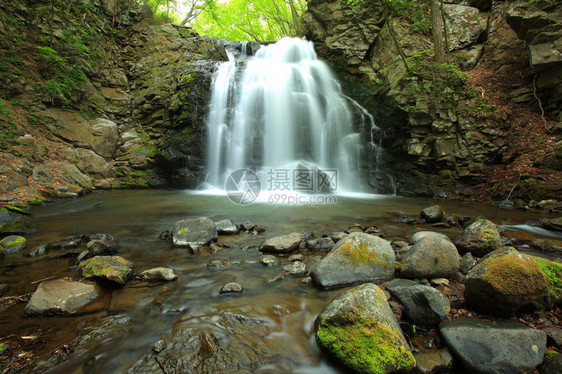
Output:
x=283 y=110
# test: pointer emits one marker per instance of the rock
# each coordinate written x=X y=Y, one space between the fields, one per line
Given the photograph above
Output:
x=194 y=233
x=296 y=257
x=552 y=223
x=552 y=363
x=12 y=244
x=248 y=225
x=98 y=247
x=231 y=288
x=465 y=25
x=553 y=335
x=159 y=274
x=358 y=258
x=88 y=162
x=432 y=214
x=359 y=329
x=68 y=243
x=106 y=136
x=320 y=245
x=466 y=263
x=296 y=268
x=479 y=238
x=282 y=244
x=439 y=361
x=60 y=296
x=39 y=250
x=112 y=268
x=11 y=224
x=439 y=282
x=430 y=257
x=494 y=346
x=336 y=236
x=506 y=283
x=269 y=260
x=226 y=227
x=420 y=234
x=423 y=304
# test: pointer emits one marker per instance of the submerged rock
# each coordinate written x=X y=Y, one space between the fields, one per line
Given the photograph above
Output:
x=358 y=258
x=282 y=244
x=60 y=296
x=194 y=233
x=494 y=346
x=479 y=238
x=112 y=268
x=505 y=283
x=431 y=256
x=359 y=329
x=39 y=250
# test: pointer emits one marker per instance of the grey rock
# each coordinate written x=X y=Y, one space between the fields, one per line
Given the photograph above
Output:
x=194 y=233
x=358 y=258
x=282 y=244
x=465 y=25
x=60 y=296
x=39 y=250
x=420 y=234
x=479 y=238
x=430 y=257
x=494 y=346
x=159 y=274
x=296 y=268
x=269 y=260
x=321 y=245
x=98 y=247
x=423 y=304
x=296 y=257
x=226 y=227
x=231 y=288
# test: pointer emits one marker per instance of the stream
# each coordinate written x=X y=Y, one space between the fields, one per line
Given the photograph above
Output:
x=135 y=218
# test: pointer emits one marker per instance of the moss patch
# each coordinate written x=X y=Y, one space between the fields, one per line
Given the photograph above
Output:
x=358 y=252
x=553 y=272
x=366 y=346
x=514 y=275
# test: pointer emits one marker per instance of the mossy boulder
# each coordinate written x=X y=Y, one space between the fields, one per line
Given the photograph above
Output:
x=357 y=258
x=359 y=329
x=506 y=283
x=194 y=233
x=432 y=214
x=112 y=268
x=479 y=238
x=12 y=244
x=11 y=223
x=431 y=256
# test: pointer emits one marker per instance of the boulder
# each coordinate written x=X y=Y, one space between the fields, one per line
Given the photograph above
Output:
x=357 y=258
x=432 y=214
x=11 y=223
x=494 y=346
x=68 y=125
x=194 y=233
x=159 y=274
x=431 y=256
x=106 y=136
x=465 y=25
x=88 y=162
x=282 y=244
x=359 y=329
x=479 y=238
x=226 y=227
x=505 y=283
x=12 y=244
x=112 y=268
x=420 y=234
x=423 y=304
x=60 y=296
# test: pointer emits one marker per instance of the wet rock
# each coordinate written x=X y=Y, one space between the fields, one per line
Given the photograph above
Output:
x=194 y=233
x=248 y=226
x=218 y=264
x=466 y=263
x=359 y=329
x=296 y=268
x=60 y=296
x=277 y=278
x=226 y=227
x=479 y=238
x=374 y=230
x=336 y=236
x=420 y=234
x=432 y=214
x=159 y=346
x=68 y=243
x=12 y=244
x=99 y=247
x=505 y=283
x=438 y=361
x=231 y=288
x=269 y=260
x=358 y=258
x=296 y=257
x=159 y=274
x=39 y=250
x=552 y=223
x=112 y=268
x=321 y=245
x=306 y=282
x=430 y=257
x=166 y=235
x=282 y=244
x=11 y=223
x=494 y=346
x=423 y=304
x=102 y=236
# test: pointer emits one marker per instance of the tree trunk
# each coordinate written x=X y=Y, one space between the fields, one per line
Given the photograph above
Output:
x=437 y=28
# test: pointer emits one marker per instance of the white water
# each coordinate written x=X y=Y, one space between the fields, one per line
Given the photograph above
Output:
x=283 y=110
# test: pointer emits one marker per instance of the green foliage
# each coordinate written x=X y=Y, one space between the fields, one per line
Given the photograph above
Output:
x=553 y=271
x=7 y=129
x=251 y=19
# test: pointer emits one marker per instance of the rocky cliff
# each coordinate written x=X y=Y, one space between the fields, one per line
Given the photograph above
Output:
x=95 y=97
x=472 y=127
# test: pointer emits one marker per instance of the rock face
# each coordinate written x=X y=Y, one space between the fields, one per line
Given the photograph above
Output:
x=357 y=258
x=112 y=268
x=430 y=257
x=479 y=238
x=494 y=347
x=359 y=329
x=424 y=304
x=60 y=296
x=506 y=282
x=194 y=233
x=282 y=244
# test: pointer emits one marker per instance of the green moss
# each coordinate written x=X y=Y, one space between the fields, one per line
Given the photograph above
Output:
x=514 y=275
x=20 y=240
x=553 y=272
x=37 y=200
x=183 y=231
x=366 y=346
x=358 y=252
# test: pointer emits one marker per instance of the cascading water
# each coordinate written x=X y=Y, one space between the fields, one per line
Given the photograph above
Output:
x=282 y=109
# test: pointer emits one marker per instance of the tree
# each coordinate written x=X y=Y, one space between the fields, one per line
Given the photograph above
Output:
x=195 y=8
x=438 y=31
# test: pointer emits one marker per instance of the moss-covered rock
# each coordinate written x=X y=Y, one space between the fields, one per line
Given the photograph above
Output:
x=12 y=244
x=359 y=329
x=506 y=283
x=112 y=268
x=479 y=238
